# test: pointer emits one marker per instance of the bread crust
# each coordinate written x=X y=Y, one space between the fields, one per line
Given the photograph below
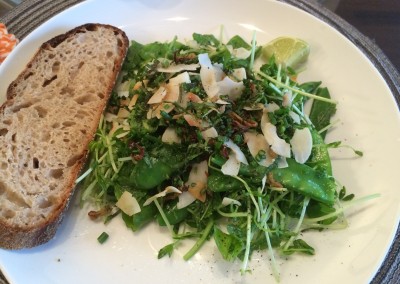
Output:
x=16 y=236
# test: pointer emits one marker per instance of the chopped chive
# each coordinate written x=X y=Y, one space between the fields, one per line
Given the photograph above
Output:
x=102 y=238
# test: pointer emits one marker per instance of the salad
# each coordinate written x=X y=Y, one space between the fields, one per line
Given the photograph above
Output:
x=212 y=141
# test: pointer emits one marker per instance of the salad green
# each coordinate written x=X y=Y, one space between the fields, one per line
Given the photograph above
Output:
x=205 y=138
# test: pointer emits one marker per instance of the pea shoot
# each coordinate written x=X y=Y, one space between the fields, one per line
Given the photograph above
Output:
x=213 y=137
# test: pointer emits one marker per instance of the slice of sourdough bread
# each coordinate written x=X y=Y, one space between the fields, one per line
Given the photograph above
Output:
x=51 y=114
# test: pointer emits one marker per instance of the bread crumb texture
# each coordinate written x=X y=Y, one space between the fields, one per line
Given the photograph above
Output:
x=51 y=115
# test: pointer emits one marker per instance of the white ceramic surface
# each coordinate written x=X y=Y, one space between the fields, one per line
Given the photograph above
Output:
x=369 y=121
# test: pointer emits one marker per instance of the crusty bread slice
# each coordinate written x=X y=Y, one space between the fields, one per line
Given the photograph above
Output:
x=51 y=114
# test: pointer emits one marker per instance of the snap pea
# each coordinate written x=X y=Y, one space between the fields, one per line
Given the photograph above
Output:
x=139 y=220
x=149 y=174
x=159 y=165
x=319 y=159
x=174 y=216
x=218 y=182
x=307 y=181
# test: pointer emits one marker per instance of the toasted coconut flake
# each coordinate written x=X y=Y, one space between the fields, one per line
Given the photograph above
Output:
x=239 y=53
x=197 y=180
x=193 y=98
x=192 y=121
x=123 y=113
x=231 y=166
x=185 y=199
x=295 y=117
x=282 y=163
x=110 y=117
x=199 y=172
x=207 y=75
x=239 y=74
x=170 y=136
x=287 y=99
x=301 y=144
x=237 y=152
x=128 y=204
x=230 y=88
x=158 y=96
x=226 y=201
x=278 y=145
x=168 y=189
x=209 y=133
x=173 y=86
x=256 y=143
x=271 y=107
x=198 y=190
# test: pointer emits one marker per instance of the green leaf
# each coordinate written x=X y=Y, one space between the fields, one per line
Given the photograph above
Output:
x=167 y=250
x=237 y=42
x=228 y=245
x=206 y=39
x=321 y=112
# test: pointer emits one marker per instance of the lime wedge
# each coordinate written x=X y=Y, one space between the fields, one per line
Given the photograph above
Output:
x=288 y=51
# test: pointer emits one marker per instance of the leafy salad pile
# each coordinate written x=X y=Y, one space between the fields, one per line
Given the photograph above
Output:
x=211 y=140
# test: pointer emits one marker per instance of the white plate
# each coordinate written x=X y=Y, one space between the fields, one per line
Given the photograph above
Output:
x=369 y=122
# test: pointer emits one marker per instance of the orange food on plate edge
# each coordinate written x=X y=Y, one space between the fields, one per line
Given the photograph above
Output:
x=7 y=42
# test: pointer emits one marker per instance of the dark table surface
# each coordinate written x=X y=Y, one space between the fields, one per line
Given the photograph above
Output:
x=378 y=20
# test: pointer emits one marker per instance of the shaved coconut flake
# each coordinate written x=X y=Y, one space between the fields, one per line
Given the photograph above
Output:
x=230 y=88
x=301 y=145
x=185 y=199
x=295 y=117
x=231 y=166
x=236 y=150
x=256 y=143
x=226 y=201
x=168 y=189
x=278 y=145
x=239 y=74
x=207 y=75
x=178 y=68
x=128 y=204
x=158 y=96
x=170 y=136
x=209 y=133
